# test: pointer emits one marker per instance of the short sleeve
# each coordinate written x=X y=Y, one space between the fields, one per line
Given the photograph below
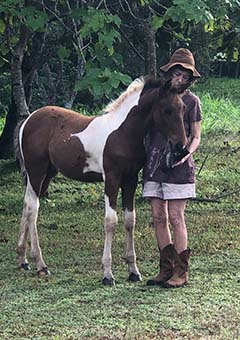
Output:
x=193 y=108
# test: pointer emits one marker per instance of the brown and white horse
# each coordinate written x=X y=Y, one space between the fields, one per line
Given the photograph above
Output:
x=108 y=148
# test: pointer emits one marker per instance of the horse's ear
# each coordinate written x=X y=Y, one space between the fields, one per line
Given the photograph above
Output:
x=167 y=86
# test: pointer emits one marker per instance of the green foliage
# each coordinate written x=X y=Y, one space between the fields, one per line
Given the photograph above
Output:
x=93 y=43
x=102 y=82
x=95 y=20
x=17 y=12
x=91 y=35
x=2 y=123
x=100 y=78
x=34 y=19
x=5 y=93
x=190 y=11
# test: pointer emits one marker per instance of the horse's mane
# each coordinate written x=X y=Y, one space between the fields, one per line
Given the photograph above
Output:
x=153 y=83
x=135 y=86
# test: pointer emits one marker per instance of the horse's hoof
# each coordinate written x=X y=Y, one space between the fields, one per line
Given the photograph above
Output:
x=108 y=282
x=134 y=277
x=25 y=266
x=44 y=272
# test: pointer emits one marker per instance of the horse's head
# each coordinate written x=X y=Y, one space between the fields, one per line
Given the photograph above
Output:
x=168 y=114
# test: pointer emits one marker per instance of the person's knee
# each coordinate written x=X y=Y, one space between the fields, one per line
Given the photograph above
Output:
x=159 y=213
x=160 y=219
x=176 y=219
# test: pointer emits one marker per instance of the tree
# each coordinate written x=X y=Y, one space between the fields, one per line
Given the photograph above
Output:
x=27 y=30
x=16 y=35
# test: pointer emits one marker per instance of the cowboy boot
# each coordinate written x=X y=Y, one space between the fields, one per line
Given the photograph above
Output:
x=180 y=271
x=166 y=266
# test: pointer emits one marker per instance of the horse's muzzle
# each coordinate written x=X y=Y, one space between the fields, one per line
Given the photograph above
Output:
x=177 y=153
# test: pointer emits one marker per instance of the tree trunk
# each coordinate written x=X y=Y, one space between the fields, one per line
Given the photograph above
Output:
x=79 y=71
x=6 y=140
x=23 y=70
x=17 y=77
x=150 y=51
x=147 y=35
x=18 y=108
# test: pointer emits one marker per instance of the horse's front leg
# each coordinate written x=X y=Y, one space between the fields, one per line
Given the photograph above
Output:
x=128 y=191
x=110 y=222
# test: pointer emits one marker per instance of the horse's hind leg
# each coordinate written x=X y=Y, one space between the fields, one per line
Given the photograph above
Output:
x=28 y=224
x=128 y=191
x=21 y=248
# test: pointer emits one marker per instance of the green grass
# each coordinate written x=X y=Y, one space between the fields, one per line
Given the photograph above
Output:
x=220 y=88
x=220 y=104
x=72 y=304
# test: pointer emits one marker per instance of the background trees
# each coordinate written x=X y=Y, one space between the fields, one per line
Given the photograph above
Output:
x=82 y=52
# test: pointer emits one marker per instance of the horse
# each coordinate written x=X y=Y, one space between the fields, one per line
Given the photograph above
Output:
x=108 y=147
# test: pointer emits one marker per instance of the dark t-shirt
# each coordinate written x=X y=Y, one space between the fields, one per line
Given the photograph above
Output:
x=157 y=147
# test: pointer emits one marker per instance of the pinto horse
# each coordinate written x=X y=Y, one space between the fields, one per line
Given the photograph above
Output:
x=108 y=148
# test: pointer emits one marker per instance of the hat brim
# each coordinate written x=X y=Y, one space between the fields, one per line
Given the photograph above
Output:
x=167 y=67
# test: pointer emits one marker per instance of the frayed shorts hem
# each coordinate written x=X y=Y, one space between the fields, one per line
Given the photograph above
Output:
x=168 y=191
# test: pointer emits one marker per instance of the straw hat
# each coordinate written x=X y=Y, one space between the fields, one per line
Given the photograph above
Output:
x=184 y=58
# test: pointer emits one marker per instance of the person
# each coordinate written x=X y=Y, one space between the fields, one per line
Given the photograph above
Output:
x=168 y=189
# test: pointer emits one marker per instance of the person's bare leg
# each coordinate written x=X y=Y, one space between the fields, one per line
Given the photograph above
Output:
x=176 y=217
x=181 y=253
x=163 y=236
x=160 y=221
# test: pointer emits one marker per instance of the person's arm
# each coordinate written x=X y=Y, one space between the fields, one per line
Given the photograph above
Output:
x=194 y=142
x=195 y=137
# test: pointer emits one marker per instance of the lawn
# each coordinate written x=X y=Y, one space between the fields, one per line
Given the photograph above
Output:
x=73 y=304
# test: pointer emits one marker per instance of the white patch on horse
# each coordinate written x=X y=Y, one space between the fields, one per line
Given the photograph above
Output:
x=109 y=226
x=94 y=137
x=129 y=224
x=110 y=214
x=129 y=218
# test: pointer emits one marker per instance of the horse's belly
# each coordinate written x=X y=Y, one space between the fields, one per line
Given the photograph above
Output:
x=74 y=170
x=88 y=177
x=70 y=159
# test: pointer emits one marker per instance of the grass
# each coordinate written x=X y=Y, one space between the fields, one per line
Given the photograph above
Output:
x=72 y=304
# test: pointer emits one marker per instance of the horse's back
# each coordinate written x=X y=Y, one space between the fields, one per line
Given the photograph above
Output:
x=54 y=117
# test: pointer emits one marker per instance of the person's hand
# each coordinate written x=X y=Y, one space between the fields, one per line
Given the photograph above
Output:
x=181 y=161
x=176 y=158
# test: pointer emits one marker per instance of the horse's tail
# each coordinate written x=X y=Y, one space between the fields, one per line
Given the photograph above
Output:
x=18 y=153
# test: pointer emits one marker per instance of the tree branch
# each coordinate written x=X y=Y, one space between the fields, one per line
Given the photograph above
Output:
x=214 y=199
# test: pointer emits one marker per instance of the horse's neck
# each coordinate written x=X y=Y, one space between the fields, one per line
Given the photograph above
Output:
x=137 y=124
x=134 y=115
x=146 y=103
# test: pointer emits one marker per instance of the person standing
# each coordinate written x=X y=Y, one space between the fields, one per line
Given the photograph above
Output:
x=168 y=189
